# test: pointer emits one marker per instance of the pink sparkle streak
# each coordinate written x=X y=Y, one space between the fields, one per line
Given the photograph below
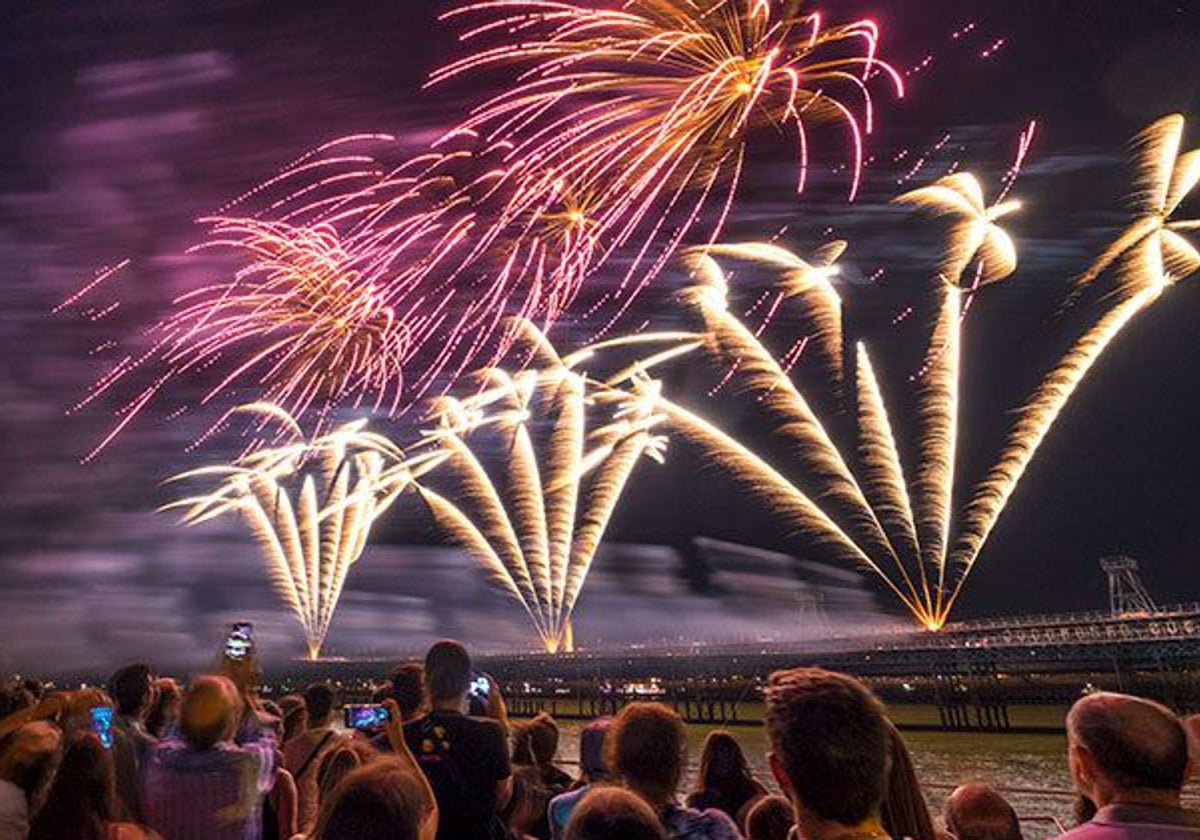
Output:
x=620 y=136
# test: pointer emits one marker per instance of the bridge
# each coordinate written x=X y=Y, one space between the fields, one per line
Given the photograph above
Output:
x=974 y=673
x=977 y=675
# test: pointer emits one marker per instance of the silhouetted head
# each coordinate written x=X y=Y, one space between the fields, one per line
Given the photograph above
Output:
x=382 y=800
x=543 y=739
x=977 y=812
x=35 y=687
x=612 y=812
x=722 y=764
x=770 y=818
x=408 y=688
x=28 y=759
x=591 y=750
x=646 y=748
x=829 y=745
x=339 y=762
x=1127 y=747
x=132 y=688
x=447 y=671
x=82 y=799
x=164 y=711
x=14 y=698
x=319 y=701
x=208 y=712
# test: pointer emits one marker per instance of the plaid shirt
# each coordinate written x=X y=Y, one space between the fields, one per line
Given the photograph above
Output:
x=213 y=794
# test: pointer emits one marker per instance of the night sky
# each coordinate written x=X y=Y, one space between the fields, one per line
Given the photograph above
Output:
x=124 y=121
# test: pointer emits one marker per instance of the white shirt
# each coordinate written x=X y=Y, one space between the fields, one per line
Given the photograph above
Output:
x=14 y=812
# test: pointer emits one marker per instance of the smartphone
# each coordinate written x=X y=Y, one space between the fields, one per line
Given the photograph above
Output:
x=366 y=716
x=480 y=686
x=239 y=644
x=102 y=725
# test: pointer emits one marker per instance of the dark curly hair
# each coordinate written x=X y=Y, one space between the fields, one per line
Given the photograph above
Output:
x=831 y=736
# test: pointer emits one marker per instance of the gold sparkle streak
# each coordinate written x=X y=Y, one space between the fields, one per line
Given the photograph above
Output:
x=938 y=443
x=1163 y=179
x=815 y=451
x=974 y=232
x=1149 y=256
x=310 y=506
x=883 y=473
x=570 y=446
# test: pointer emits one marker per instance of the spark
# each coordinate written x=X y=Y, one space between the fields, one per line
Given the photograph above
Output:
x=1163 y=179
x=536 y=527
x=871 y=519
x=310 y=506
x=1147 y=258
x=100 y=277
x=648 y=107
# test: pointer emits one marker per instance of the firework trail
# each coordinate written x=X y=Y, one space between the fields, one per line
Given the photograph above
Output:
x=809 y=283
x=1035 y=421
x=325 y=305
x=639 y=113
x=310 y=506
x=369 y=283
x=1147 y=258
x=780 y=494
x=536 y=525
x=815 y=451
x=974 y=238
x=884 y=516
x=938 y=416
x=1163 y=179
x=883 y=473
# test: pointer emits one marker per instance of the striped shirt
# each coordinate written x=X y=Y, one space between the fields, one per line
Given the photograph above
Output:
x=213 y=794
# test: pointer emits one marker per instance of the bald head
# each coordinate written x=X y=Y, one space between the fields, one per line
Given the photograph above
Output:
x=208 y=711
x=977 y=812
x=1128 y=744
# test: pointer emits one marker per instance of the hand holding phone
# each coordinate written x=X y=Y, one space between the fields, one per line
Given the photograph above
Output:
x=366 y=716
x=239 y=644
x=102 y=725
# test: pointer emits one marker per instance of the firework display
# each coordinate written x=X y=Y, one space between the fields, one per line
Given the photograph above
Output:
x=570 y=445
x=635 y=117
x=364 y=282
x=375 y=276
x=900 y=530
x=310 y=505
x=1149 y=257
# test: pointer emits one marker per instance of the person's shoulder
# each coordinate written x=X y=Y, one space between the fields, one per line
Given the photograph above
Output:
x=11 y=790
x=709 y=824
x=169 y=748
x=414 y=726
x=568 y=799
x=1092 y=831
x=482 y=725
x=717 y=818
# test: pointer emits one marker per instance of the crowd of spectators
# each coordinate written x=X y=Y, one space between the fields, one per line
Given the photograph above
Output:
x=216 y=761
